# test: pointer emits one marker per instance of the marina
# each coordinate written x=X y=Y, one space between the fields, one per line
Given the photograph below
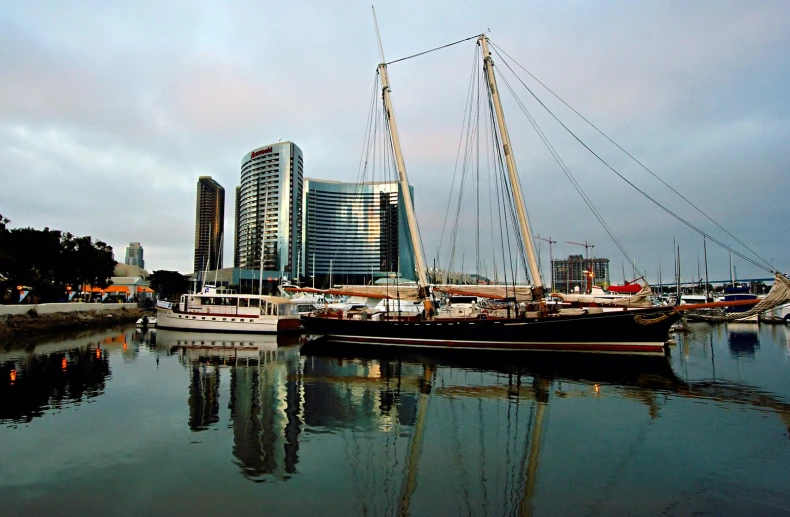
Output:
x=186 y=422
x=316 y=334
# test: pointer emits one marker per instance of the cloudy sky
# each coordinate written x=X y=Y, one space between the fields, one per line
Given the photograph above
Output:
x=109 y=112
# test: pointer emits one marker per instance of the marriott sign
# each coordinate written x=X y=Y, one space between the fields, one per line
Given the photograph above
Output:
x=255 y=154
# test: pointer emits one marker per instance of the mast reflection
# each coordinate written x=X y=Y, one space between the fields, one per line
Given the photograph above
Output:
x=354 y=390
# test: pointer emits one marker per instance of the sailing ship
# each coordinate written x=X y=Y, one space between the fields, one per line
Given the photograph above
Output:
x=632 y=331
x=634 y=327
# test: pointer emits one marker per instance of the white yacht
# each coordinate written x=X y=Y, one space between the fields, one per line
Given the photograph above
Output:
x=222 y=310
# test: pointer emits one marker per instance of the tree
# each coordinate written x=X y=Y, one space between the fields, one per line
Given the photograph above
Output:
x=169 y=284
x=49 y=260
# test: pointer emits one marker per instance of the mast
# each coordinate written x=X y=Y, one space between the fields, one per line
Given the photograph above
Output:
x=526 y=234
x=419 y=258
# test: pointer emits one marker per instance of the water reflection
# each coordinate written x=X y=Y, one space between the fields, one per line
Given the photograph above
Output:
x=382 y=431
x=482 y=419
x=34 y=383
x=266 y=396
x=743 y=339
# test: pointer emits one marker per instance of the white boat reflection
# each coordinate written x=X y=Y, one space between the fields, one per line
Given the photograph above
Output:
x=227 y=348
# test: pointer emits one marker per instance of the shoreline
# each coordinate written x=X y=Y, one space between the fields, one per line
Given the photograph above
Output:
x=34 y=325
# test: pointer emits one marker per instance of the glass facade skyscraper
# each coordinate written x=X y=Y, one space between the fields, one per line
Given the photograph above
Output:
x=134 y=255
x=358 y=230
x=209 y=224
x=269 y=208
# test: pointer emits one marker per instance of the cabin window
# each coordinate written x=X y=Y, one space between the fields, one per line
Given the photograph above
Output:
x=255 y=302
x=289 y=309
x=244 y=302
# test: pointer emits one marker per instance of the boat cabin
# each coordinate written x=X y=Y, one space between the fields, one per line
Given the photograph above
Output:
x=227 y=302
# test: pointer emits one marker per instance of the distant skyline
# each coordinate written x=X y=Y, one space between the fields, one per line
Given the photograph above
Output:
x=110 y=112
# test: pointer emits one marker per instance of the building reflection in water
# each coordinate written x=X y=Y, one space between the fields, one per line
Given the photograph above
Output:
x=203 y=396
x=266 y=395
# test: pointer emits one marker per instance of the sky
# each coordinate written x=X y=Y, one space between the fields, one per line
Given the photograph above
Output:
x=110 y=111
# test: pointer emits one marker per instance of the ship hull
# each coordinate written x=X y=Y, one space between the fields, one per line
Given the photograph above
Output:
x=208 y=322
x=632 y=332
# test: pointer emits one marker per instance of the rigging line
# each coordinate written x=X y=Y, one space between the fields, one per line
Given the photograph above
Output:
x=477 y=191
x=568 y=173
x=628 y=154
x=645 y=194
x=458 y=225
x=508 y=197
x=369 y=141
x=458 y=152
x=491 y=209
x=505 y=192
x=432 y=50
x=366 y=141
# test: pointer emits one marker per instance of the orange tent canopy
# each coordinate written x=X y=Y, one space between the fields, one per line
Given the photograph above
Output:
x=116 y=289
x=144 y=290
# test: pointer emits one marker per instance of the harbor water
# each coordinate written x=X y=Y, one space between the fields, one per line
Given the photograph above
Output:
x=124 y=422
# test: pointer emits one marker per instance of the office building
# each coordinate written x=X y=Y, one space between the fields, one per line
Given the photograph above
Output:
x=579 y=272
x=134 y=255
x=209 y=224
x=355 y=232
x=269 y=209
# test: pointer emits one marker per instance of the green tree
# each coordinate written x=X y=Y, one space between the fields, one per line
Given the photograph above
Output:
x=169 y=284
x=49 y=260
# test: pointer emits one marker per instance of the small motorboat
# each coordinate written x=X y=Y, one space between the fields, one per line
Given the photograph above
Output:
x=146 y=322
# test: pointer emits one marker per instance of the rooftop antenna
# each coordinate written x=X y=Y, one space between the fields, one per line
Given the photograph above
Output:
x=378 y=36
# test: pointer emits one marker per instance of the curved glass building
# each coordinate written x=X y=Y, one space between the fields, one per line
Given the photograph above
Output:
x=269 y=208
x=355 y=231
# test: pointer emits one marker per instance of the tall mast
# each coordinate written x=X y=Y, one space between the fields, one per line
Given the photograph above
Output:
x=526 y=234
x=419 y=258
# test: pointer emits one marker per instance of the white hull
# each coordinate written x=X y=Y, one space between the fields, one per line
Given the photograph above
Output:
x=168 y=319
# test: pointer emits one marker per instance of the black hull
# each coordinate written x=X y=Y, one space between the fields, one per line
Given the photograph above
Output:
x=643 y=331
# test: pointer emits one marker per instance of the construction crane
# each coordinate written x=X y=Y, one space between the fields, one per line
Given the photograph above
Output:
x=551 y=259
x=588 y=272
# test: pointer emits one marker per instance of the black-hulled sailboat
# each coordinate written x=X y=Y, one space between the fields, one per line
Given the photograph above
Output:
x=630 y=330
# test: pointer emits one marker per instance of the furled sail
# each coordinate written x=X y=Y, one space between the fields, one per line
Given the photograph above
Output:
x=493 y=292
x=778 y=295
x=409 y=293
x=640 y=299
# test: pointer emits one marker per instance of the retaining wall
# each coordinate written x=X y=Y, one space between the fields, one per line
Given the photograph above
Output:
x=50 y=308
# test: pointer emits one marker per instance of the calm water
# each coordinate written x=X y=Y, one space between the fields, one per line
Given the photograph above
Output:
x=165 y=423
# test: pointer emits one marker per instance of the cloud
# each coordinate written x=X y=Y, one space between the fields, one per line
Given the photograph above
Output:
x=109 y=113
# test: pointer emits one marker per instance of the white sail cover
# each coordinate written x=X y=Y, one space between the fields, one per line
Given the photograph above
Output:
x=778 y=295
x=493 y=292
x=409 y=292
x=640 y=299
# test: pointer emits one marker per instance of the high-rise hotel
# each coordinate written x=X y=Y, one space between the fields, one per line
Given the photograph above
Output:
x=209 y=224
x=269 y=209
x=356 y=231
